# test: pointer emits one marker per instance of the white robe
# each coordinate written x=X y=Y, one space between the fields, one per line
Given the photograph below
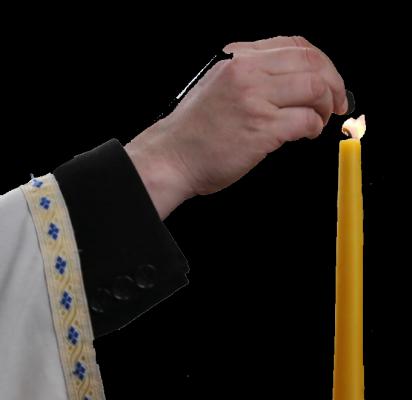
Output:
x=46 y=349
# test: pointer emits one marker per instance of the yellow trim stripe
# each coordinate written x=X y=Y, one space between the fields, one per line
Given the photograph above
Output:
x=65 y=286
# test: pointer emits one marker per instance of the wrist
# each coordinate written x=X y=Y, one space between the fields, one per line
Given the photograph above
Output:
x=159 y=171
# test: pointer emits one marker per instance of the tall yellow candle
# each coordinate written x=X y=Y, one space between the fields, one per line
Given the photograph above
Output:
x=348 y=379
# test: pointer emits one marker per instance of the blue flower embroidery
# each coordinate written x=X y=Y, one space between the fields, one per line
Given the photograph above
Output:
x=80 y=370
x=36 y=183
x=66 y=300
x=53 y=231
x=73 y=335
x=45 y=202
x=60 y=264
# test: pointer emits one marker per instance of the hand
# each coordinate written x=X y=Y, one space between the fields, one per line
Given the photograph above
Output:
x=270 y=92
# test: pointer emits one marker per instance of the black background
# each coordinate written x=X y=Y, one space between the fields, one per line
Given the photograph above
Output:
x=258 y=314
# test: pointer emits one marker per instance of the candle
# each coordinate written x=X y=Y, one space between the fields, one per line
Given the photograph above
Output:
x=348 y=379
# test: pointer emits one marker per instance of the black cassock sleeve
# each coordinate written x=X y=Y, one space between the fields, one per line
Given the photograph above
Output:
x=129 y=260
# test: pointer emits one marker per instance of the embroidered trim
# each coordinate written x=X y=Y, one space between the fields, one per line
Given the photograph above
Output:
x=65 y=286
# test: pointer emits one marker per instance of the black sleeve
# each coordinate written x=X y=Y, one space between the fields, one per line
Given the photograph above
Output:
x=130 y=261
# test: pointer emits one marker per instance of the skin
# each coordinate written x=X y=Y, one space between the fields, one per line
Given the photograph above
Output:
x=272 y=91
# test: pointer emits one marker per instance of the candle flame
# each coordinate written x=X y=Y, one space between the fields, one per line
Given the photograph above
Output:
x=354 y=128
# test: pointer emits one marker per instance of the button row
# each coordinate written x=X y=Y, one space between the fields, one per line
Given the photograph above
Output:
x=124 y=288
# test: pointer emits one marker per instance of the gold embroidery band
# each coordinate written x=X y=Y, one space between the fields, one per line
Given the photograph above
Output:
x=65 y=286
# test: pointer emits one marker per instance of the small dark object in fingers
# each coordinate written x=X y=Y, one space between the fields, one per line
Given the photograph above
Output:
x=351 y=102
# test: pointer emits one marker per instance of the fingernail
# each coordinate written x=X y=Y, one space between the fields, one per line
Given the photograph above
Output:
x=351 y=102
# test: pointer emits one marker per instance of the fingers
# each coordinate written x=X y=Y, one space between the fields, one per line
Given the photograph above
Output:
x=289 y=60
x=285 y=54
x=285 y=60
x=294 y=123
x=267 y=44
x=301 y=59
x=299 y=89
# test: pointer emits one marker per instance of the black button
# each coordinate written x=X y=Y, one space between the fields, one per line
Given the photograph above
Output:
x=145 y=276
x=124 y=288
x=101 y=301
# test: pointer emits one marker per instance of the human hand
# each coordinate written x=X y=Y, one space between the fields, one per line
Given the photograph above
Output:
x=271 y=91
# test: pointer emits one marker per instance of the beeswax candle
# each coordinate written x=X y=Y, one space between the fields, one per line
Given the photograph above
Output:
x=348 y=381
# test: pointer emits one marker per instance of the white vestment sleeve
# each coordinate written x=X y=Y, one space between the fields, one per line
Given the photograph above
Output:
x=30 y=365
x=69 y=242
x=46 y=338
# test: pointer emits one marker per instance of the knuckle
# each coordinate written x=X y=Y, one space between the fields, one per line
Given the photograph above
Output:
x=314 y=58
x=235 y=70
x=300 y=41
x=317 y=85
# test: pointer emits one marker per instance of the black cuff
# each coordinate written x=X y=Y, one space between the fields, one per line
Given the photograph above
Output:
x=130 y=261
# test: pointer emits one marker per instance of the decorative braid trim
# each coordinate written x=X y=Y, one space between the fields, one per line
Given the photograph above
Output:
x=65 y=287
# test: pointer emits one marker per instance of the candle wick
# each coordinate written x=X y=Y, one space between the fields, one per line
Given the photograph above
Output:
x=347 y=132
